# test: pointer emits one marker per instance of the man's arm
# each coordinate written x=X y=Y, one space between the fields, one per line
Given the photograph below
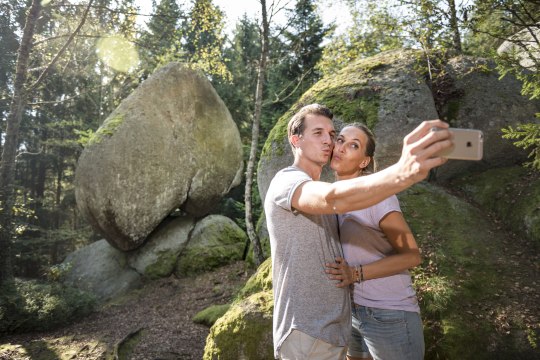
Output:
x=417 y=159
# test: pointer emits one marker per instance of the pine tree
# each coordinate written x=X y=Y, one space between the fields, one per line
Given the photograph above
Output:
x=162 y=36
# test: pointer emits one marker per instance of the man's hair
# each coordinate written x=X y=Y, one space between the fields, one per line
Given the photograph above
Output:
x=296 y=124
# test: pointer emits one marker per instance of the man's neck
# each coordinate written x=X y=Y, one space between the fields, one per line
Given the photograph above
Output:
x=310 y=168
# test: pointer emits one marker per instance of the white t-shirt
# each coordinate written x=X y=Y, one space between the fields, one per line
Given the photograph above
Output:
x=363 y=243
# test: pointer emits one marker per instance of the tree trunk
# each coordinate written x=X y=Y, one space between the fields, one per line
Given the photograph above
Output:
x=261 y=74
x=9 y=151
x=454 y=26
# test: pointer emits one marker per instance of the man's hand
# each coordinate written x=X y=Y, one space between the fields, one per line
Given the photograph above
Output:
x=420 y=149
x=340 y=271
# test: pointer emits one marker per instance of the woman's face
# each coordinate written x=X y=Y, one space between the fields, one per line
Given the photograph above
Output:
x=348 y=157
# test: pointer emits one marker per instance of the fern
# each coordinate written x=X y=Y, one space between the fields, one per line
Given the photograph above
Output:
x=526 y=136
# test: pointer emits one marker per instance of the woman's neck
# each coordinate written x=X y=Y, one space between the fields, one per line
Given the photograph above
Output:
x=348 y=176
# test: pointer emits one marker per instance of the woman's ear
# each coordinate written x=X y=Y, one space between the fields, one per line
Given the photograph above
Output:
x=364 y=164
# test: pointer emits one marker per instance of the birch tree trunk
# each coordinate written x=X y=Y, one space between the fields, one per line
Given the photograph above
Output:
x=261 y=74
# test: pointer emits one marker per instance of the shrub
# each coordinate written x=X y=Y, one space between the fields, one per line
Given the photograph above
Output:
x=27 y=305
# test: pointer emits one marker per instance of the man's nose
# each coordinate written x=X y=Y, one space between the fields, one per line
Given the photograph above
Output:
x=329 y=139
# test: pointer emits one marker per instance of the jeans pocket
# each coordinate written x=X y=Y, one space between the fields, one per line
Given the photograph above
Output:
x=386 y=316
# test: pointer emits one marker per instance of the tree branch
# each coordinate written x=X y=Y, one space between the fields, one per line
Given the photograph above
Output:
x=63 y=49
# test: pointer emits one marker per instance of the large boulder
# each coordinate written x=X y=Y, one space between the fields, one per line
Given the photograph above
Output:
x=385 y=92
x=171 y=144
x=477 y=98
x=215 y=241
x=390 y=94
x=101 y=270
x=158 y=256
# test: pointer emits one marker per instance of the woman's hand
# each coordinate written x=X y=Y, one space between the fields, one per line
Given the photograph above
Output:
x=341 y=271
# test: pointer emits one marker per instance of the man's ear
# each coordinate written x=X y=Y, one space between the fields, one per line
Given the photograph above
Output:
x=294 y=140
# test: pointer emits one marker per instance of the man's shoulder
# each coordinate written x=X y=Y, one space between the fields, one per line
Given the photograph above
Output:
x=291 y=171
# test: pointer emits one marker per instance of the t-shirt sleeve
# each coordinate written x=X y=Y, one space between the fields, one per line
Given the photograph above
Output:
x=385 y=207
x=288 y=182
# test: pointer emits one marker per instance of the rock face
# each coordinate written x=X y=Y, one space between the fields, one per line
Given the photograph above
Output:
x=179 y=244
x=158 y=257
x=215 y=241
x=390 y=94
x=171 y=144
x=101 y=270
x=478 y=99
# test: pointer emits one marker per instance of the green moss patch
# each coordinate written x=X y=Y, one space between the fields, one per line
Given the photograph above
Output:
x=210 y=315
x=107 y=129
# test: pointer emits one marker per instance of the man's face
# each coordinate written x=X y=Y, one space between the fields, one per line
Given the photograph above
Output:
x=317 y=141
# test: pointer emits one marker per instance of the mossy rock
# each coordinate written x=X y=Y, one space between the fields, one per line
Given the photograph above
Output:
x=512 y=193
x=386 y=92
x=461 y=283
x=215 y=241
x=244 y=332
x=210 y=315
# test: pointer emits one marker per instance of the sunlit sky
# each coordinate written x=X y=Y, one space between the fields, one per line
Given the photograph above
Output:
x=332 y=11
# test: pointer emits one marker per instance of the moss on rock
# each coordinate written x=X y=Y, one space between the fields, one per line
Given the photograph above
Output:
x=460 y=281
x=108 y=128
x=244 y=332
x=163 y=266
x=210 y=315
x=218 y=242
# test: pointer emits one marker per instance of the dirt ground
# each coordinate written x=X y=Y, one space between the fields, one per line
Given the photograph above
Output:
x=154 y=322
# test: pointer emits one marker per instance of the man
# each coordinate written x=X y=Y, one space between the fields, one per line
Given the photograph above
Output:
x=311 y=316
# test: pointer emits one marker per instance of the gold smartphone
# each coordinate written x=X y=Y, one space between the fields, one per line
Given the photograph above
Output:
x=468 y=145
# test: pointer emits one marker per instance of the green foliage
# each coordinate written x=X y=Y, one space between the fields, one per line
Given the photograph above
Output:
x=107 y=129
x=526 y=136
x=519 y=27
x=375 y=29
x=34 y=306
x=241 y=59
x=163 y=36
x=204 y=39
x=57 y=273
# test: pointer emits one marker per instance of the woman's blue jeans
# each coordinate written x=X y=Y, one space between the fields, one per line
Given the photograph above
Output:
x=386 y=334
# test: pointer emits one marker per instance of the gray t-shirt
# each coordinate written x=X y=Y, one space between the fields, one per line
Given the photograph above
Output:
x=305 y=298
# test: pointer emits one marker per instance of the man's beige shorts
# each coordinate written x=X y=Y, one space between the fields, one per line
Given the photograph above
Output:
x=300 y=346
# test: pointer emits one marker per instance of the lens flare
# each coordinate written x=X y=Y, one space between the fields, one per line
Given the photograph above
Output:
x=117 y=53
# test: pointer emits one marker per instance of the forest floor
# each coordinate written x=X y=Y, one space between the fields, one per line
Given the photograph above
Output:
x=157 y=319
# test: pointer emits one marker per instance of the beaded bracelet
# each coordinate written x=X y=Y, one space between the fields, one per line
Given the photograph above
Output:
x=359 y=273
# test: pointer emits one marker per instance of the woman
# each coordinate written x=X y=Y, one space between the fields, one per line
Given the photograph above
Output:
x=379 y=248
